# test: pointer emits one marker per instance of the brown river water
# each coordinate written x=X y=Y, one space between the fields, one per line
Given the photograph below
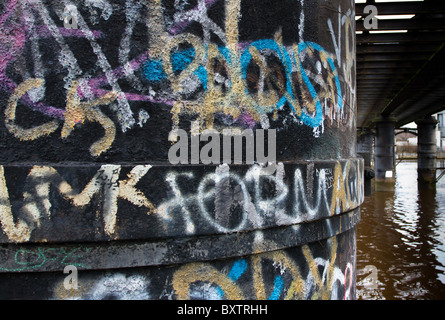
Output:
x=401 y=241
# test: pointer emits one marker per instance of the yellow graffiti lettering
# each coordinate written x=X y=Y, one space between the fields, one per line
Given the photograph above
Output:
x=296 y=289
x=323 y=283
x=17 y=232
x=78 y=112
x=339 y=197
x=128 y=191
x=194 y=272
x=10 y=112
x=36 y=202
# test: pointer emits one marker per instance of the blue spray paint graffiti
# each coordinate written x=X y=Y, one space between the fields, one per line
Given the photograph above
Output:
x=153 y=70
x=284 y=57
x=278 y=288
x=308 y=120
x=238 y=268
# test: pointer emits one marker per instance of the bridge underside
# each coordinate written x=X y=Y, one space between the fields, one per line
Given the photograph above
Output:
x=400 y=65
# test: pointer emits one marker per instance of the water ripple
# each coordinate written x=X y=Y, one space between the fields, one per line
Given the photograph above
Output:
x=402 y=234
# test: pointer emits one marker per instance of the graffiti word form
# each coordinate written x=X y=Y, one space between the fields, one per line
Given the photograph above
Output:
x=105 y=183
x=324 y=279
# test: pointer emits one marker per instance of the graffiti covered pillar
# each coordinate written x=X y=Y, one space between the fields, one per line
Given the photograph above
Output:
x=170 y=149
x=426 y=151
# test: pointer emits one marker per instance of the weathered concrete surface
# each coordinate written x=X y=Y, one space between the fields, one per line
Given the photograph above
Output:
x=91 y=105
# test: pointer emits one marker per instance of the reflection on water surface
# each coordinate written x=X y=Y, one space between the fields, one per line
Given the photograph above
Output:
x=401 y=241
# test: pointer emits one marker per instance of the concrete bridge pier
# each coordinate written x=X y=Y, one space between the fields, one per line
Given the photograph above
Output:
x=385 y=154
x=117 y=176
x=426 y=151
